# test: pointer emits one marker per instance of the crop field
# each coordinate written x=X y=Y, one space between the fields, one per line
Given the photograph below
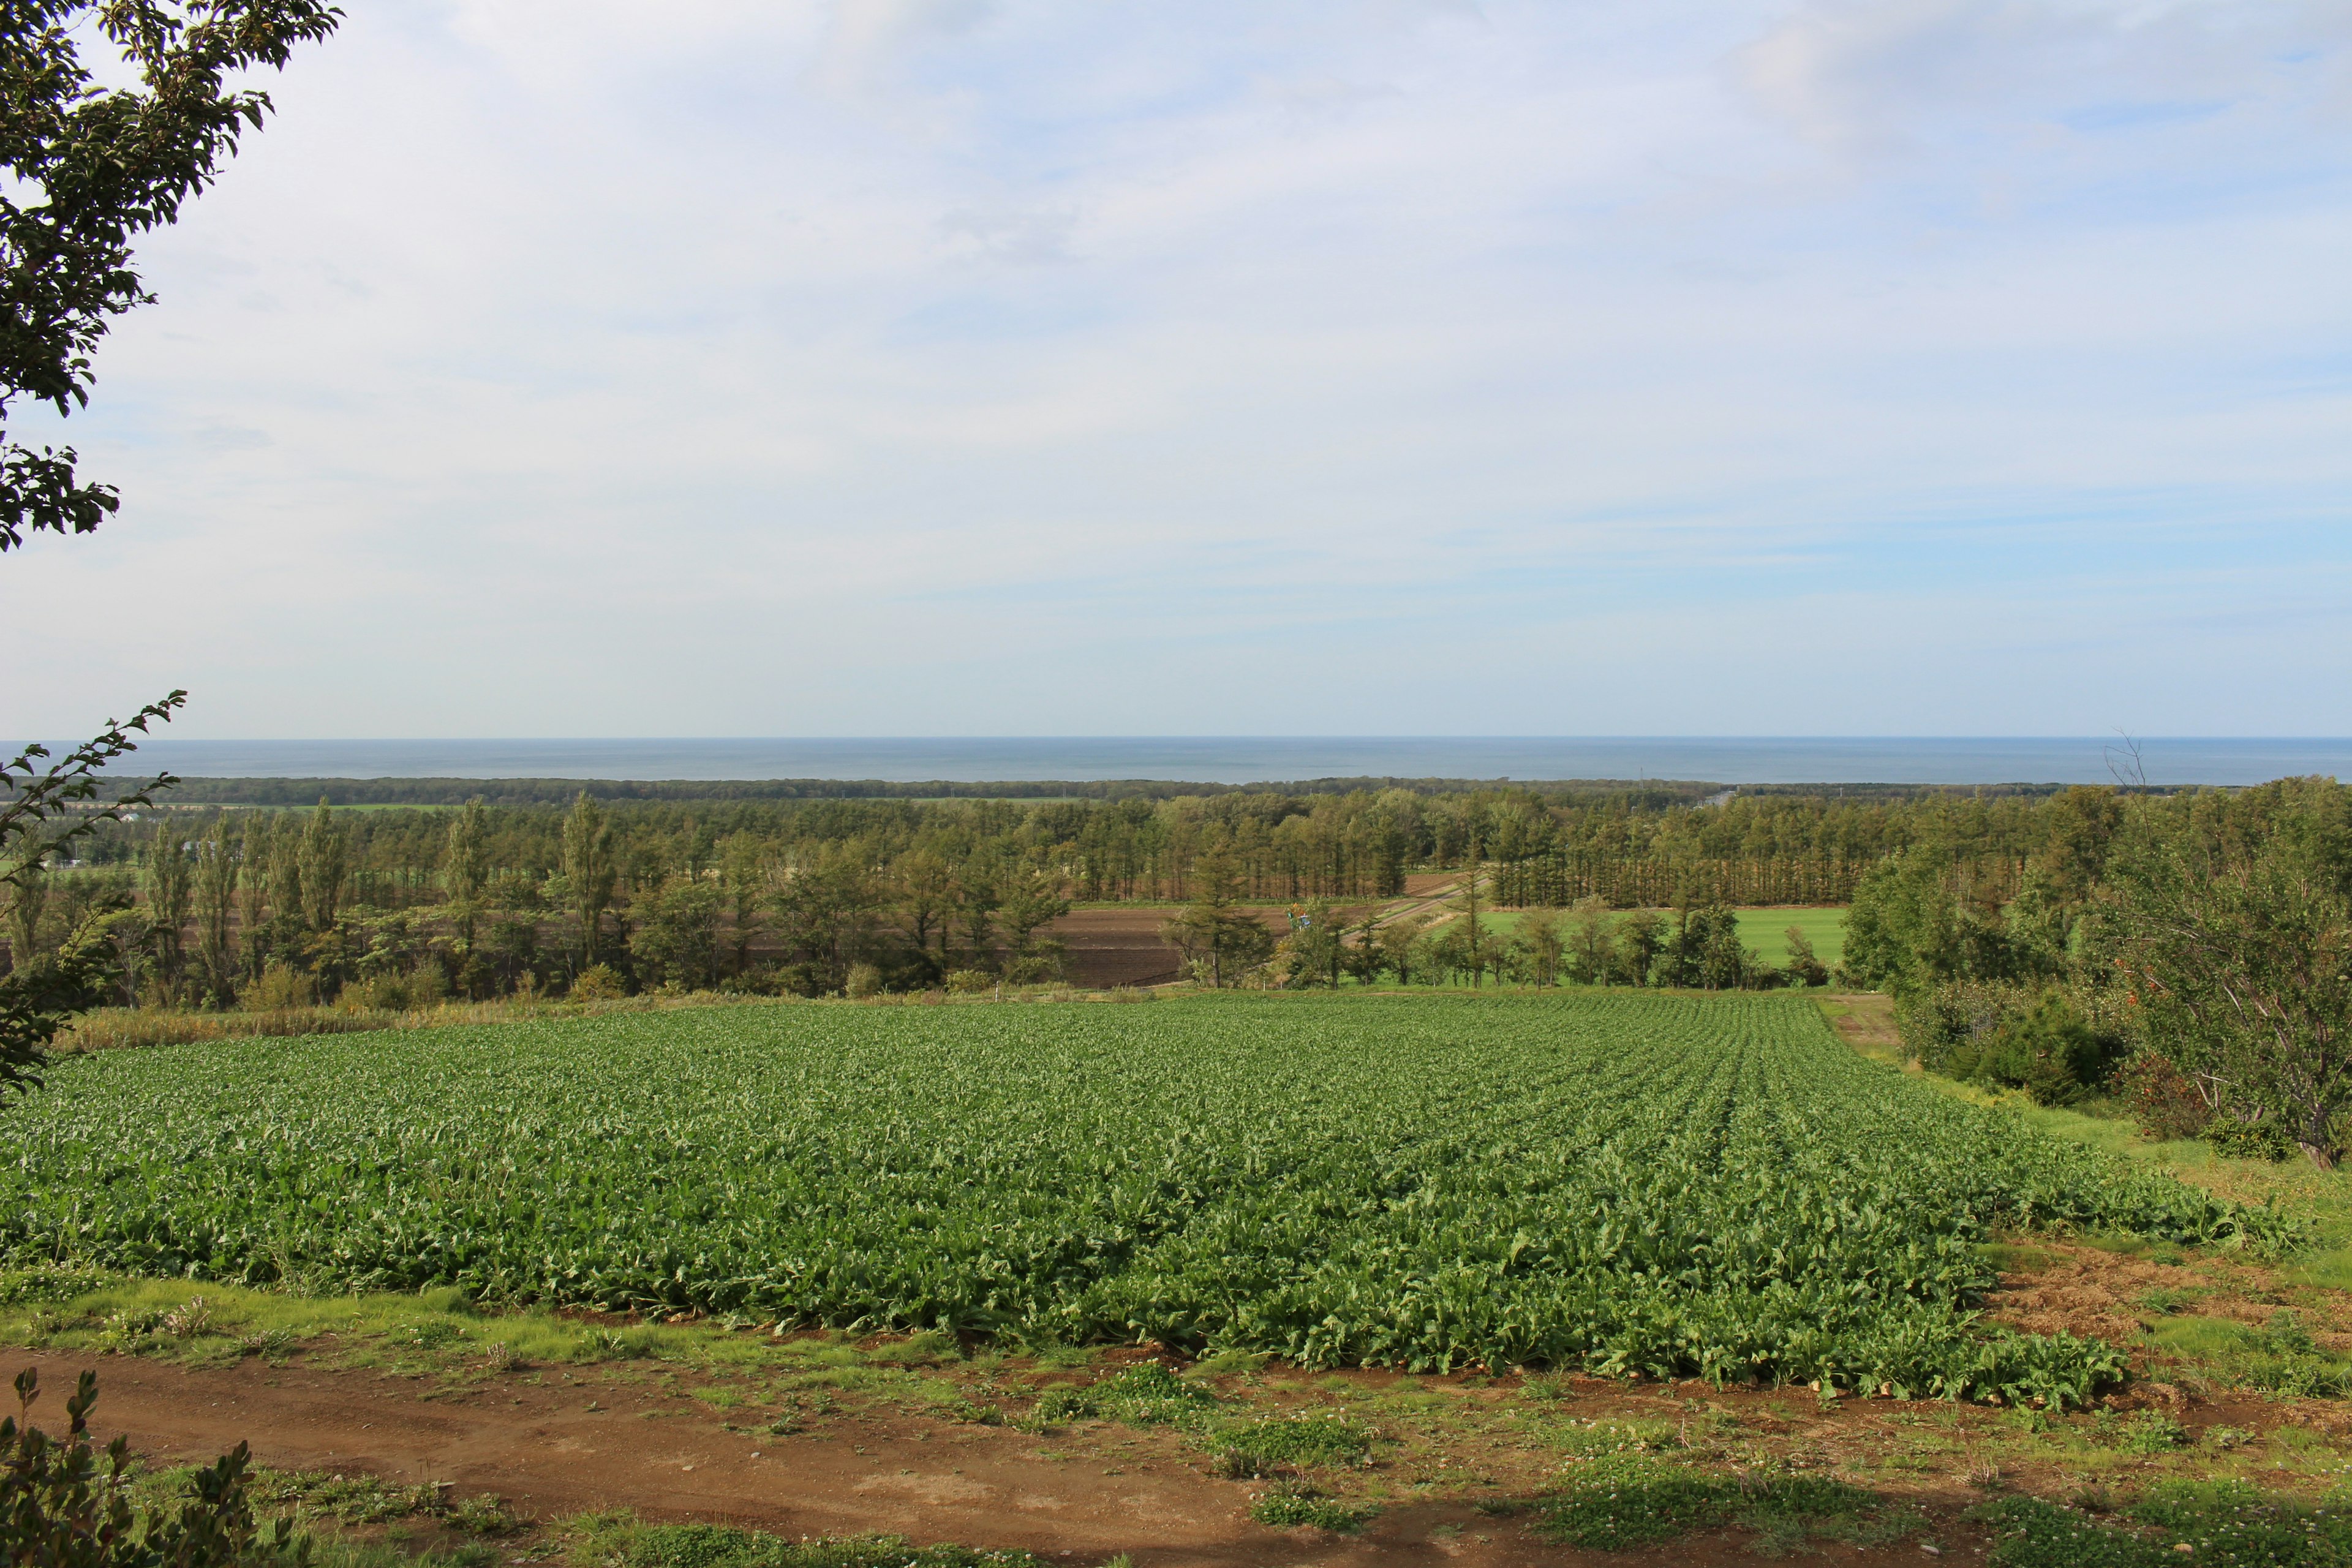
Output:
x=1619 y=1183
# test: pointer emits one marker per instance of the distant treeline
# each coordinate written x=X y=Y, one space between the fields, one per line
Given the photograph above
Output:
x=1630 y=847
x=1655 y=793
x=244 y=901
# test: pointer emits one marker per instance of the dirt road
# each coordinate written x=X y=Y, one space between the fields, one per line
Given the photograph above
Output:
x=535 y=1440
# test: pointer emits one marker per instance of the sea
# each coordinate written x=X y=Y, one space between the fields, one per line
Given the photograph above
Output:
x=1257 y=759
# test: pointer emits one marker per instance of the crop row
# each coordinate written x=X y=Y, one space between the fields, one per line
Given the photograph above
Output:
x=1641 y=1185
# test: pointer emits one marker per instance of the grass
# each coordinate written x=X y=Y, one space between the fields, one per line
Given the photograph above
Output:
x=1764 y=930
x=1621 y=1500
x=2225 y=1523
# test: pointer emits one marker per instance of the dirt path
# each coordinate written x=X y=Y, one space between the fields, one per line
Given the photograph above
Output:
x=668 y=1456
x=535 y=1441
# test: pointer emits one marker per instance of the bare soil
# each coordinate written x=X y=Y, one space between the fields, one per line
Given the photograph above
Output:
x=601 y=1439
x=1114 y=947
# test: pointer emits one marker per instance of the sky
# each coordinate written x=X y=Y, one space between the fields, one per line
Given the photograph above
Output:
x=1004 y=367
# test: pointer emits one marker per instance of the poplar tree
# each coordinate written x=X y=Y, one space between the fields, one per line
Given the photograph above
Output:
x=167 y=897
x=215 y=897
x=465 y=869
x=254 y=855
x=322 y=867
x=588 y=869
x=284 y=871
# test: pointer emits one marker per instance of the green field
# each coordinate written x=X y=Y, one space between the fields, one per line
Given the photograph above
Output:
x=1764 y=930
x=1621 y=1183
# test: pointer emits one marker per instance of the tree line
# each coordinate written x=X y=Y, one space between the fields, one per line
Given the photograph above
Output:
x=267 y=907
x=2190 y=952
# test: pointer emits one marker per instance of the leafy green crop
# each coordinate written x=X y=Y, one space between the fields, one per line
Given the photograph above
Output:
x=1708 y=1186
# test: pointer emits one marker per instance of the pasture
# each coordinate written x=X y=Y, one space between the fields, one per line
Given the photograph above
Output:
x=1611 y=1183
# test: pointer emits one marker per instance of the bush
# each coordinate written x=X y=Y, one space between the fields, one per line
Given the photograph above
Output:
x=2163 y=1101
x=2263 y=1139
x=59 y=1508
x=1944 y=1027
x=2050 y=1052
x=599 y=983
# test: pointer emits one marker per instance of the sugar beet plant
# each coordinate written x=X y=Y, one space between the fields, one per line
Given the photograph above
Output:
x=1631 y=1184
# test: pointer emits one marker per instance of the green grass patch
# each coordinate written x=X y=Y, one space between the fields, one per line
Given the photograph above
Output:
x=2278 y=1357
x=1619 y=1502
x=620 y=1540
x=2223 y=1523
x=1291 y=1505
x=1271 y=1445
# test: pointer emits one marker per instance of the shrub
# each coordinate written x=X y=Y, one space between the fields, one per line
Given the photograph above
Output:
x=60 y=1509
x=2263 y=1139
x=598 y=982
x=2164 y=1103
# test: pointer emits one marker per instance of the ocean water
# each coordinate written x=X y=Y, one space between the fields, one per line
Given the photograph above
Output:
x=1732 y=760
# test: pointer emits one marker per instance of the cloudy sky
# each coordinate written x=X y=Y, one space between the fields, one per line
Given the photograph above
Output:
x=574 y=367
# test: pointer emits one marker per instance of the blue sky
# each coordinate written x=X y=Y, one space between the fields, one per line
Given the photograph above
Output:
x=992 y=367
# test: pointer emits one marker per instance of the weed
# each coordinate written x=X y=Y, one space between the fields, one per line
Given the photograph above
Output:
x=1620 y=1437
x=2224 y=1524
x=1265 y=1447
x=186 y=1320
x=484 y=1513
x=617 y=1541
x=1290 y=1505
x=1621 y=1500
x=2152 y=1432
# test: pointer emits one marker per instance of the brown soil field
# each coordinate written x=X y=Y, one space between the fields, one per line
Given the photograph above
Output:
x=1109 y=948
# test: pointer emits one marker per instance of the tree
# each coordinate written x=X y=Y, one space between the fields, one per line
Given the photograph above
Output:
x=167 y=897
x=1319 y=945
x=588 y=870
x=28 y=899
x=1641 y=938
x=92 y=169
x=977 y=900
x=1593 y=956
x=744 y=876
x=256 y=857
x=1804 y=966
x=1361 y=956
x=465 y=869
x=826 y=912
x=215 y=897
x=1032 y=902
x=1541 y=947
x=2235 y=932
x=286 y=879
x=322 y=865
x=1213 y=932
x=1402 y=947
x=925 y=887
x=677 y=935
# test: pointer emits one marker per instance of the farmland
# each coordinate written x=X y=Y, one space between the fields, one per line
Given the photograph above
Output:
x=1611 y=1183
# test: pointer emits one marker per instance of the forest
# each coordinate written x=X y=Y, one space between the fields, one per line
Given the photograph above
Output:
x=257 y=903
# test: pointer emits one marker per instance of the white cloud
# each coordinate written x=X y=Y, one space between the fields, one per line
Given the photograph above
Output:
x=857 y=367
